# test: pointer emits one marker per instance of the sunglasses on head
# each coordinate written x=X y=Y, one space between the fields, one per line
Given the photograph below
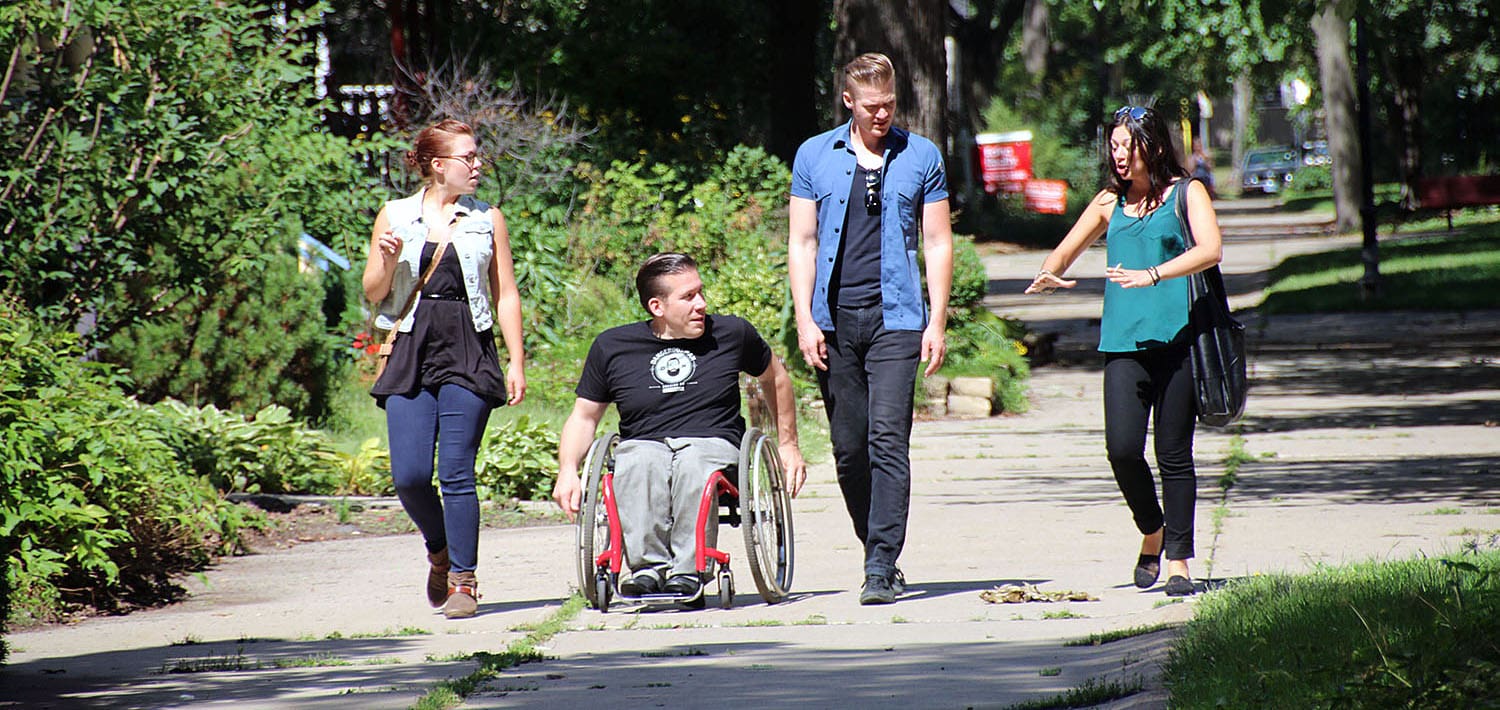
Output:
x=1135 y=113
x=872 y=190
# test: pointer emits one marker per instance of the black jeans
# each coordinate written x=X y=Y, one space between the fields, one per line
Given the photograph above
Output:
x=1135 y=384
x=867 y=390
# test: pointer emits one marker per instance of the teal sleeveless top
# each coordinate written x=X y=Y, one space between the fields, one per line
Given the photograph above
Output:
x=1144 y=318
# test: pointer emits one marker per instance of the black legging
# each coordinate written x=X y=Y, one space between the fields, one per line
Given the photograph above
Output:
x=1135 y=384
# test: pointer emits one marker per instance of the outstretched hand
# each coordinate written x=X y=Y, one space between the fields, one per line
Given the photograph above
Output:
x=1046 y=282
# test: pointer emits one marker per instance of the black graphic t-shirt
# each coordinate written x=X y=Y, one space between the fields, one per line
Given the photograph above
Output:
x=675 y=387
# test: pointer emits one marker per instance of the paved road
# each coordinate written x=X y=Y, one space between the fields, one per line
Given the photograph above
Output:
x=1373 y=438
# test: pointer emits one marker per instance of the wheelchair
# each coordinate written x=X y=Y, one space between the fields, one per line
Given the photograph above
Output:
x=752 y=496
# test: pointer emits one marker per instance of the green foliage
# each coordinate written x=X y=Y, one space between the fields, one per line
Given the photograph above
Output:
x=366 y=472
x=154 y=190
x=267 y=453
x=982 y=344
x=970 y=283
x=1311 y=180
x=93 y=497
x=1409 y=634
x=517 y=459
x=244 y=346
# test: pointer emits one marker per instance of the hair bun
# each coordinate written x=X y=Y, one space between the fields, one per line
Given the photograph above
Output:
x=411 y=159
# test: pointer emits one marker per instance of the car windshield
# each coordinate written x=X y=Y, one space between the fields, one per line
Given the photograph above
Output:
x=1268 y=159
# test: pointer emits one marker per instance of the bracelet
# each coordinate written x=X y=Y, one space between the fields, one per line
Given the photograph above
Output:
x=1155 y=275
x=1045 y=272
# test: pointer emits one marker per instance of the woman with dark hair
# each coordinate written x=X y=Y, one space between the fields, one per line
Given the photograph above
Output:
x=443 y=377
x=1144 y=332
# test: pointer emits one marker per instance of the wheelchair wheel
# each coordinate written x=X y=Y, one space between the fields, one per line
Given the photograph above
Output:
x=726 y=589
x=766 y=516
x=593 y=522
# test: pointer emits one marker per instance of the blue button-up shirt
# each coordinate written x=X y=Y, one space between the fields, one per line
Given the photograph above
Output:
x=911 y=177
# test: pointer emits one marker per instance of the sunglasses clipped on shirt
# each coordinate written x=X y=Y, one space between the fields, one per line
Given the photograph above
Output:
x=872 y=191
x=1135 y=113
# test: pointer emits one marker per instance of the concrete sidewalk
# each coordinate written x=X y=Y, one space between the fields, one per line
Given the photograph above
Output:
x=1373 y=443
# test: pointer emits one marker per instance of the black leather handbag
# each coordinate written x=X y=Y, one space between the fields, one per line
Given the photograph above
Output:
x=1218 y=349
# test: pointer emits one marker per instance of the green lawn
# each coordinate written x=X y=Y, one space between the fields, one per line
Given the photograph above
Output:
x=1458 y=272
x=1422 y=633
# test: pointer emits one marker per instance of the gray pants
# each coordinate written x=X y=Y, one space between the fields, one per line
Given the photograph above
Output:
x=658 y=487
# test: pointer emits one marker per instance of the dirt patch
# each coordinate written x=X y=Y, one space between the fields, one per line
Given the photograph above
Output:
x=292 y=520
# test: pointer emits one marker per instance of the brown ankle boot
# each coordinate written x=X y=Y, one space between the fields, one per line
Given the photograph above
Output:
x=437 y=578
x=463 y=595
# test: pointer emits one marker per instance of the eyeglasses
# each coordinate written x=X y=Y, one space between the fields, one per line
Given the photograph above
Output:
x=470 y=160
x=872 y=190
x=1135 y=113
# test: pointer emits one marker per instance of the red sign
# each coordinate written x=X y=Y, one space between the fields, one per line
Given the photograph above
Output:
x=1004 y=160
x=1046 y=196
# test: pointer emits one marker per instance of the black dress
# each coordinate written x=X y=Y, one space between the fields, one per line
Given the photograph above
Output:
x=443 y=348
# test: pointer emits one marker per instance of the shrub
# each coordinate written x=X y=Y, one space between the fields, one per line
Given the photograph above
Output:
x=970 y=282
x=97 y=505
x=517 y=459
x=251 y=344
x=267 y=453
x=982 y=344
x=1312 y=179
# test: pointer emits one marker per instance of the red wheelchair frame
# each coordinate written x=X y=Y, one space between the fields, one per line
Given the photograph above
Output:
x=766 y=522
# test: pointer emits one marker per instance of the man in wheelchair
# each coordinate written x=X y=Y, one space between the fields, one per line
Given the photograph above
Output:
x=674 y=380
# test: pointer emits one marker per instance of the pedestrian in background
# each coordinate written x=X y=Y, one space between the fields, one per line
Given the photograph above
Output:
x=1144 y=332
x=864 y=195
x=443 y=377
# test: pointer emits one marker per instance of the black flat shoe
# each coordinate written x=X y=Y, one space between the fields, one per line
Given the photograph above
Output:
x=1179 y=586
x=1147 y=569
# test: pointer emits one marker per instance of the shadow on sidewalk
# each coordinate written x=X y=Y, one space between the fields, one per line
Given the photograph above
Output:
x=1425 y=479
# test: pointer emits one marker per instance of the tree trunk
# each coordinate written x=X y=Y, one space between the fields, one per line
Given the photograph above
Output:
x=912 y=36
x=1330 y=26
x=1241 y=127
x=1034 y=44
x=794 y=88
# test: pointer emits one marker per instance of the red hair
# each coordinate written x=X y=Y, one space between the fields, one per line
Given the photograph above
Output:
x=433 y=141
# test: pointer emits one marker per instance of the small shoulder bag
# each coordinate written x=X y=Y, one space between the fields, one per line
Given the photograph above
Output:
x=411 y=300
x=1218 y=347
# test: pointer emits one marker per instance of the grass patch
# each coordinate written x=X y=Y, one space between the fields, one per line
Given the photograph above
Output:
x=1051 y=672
x=1063 y=614
x=1416 y=633
x=760 y=622
x=1117 y=635
x=1455 y=272
x=1444 y=511
x=316 y=660
x=1088 y=694
x=451 y=693
x=812 y=620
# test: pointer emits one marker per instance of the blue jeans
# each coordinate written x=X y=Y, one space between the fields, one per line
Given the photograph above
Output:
x=450 y=420
x=1137 y=384
x=868 y=390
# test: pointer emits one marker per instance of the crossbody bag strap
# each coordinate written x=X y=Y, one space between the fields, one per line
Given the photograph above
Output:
x=1182 y=210
x=411 y=299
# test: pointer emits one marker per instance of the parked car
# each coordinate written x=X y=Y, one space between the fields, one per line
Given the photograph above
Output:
x=1316 y=153
x=1268 y=170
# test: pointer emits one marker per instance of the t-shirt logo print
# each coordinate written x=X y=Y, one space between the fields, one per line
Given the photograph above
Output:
x=673 y=368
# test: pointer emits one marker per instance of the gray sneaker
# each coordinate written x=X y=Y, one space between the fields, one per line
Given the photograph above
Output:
x=877 y=590
x=898 y=582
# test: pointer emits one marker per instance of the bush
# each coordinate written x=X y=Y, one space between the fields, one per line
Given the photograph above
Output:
x=982 y=344
x=97 y=505
x=517 y=459
x=970 y=282
x=1313 y=179
x=1004 y=216
x=267 y=453
x=249 y=345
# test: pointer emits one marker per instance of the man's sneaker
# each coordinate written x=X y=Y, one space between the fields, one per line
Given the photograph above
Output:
x=640 y=585
x=898 y=581
x=877 y=590
x=682 y=584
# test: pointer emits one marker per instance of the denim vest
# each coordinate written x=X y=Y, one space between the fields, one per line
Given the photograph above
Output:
x=473 y=239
